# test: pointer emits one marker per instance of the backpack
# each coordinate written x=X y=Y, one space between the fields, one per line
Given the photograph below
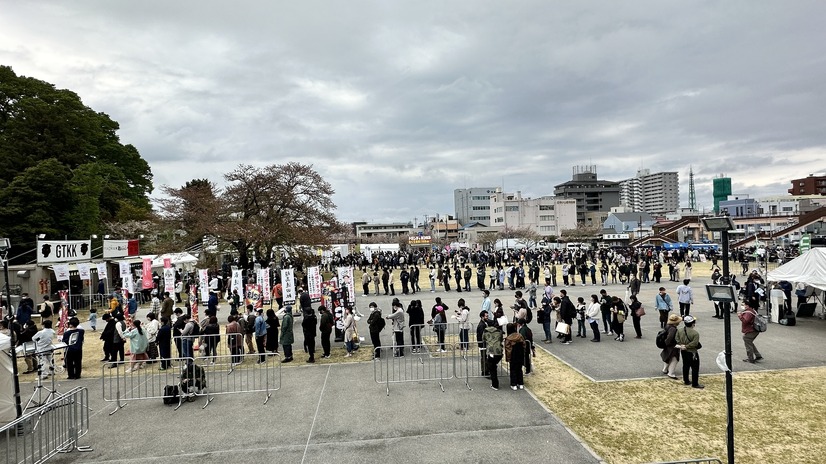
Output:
x=760 y=323
x=528 y=315
x=662 y=335
x=170 y=395
x=380 y=323
x=196 y=330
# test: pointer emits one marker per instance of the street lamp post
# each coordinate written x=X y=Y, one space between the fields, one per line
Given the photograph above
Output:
x=722 y=294
x=5 y=245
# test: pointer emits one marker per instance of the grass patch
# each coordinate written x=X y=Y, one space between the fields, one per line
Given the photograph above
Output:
x=779 y=416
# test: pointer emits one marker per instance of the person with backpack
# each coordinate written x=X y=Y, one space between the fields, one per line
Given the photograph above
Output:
x=492 y=338
x=375 y=324
x=688 y=341
x=249 y=329
x=747 y=319
x=667 y=339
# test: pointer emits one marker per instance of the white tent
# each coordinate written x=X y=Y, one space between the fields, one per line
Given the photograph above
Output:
x=184 y=259
x=809 y=268
x=8 y=410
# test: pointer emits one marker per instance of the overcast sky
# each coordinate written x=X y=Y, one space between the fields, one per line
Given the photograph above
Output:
x=399 y=103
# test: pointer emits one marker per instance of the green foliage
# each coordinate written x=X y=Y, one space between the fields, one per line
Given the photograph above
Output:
x=48 y=134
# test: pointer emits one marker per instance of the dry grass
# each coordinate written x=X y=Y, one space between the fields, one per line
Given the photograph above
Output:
x=779 y=416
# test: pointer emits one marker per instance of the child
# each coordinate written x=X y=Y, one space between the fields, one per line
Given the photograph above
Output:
x=515 y=356
x=580 y=317
x=93 y=319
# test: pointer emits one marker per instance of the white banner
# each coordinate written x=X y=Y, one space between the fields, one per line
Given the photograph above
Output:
x=314 y=283
x=288 y=286
x=345 y=280
x=102 y=271
x=128 y=283
x=120 y=248
x=125 y=269
x=84 y=271
x=61 y=272
x=237 y=283
x=203 y=274
x=63 y=251
x=169 y=280
x=264 y=282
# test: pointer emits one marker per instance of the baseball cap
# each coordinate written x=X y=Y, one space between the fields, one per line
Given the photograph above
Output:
x=688 y=320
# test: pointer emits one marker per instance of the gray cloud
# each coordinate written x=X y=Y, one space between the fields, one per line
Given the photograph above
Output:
x=397 y=104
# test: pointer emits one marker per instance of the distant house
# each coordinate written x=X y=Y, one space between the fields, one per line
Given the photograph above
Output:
x=630 y=223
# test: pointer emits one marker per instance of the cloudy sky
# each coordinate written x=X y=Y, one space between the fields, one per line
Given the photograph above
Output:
x=399 y=103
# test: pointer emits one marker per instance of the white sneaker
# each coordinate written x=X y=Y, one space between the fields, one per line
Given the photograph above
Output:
x=521 y=387
x=513 y=387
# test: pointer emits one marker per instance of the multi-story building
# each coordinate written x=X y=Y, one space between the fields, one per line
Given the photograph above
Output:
x=545 y=215
x=473 y=204
x=812 y=185
x=591 y=194
x=657 y=193
x=391 y=231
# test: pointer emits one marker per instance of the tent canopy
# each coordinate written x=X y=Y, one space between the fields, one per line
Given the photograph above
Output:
x=809 y=268
x=177 y=259
x=8 y=410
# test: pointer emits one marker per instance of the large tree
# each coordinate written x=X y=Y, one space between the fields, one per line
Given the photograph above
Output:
x=54 y=146
x=262 y=209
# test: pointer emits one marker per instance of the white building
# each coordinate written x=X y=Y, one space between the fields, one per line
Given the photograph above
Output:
x=657 y=193
x=473 y=204
x=546 y=215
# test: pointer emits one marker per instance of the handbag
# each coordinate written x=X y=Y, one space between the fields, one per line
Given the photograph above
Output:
x=640 y=311
x=563 y=328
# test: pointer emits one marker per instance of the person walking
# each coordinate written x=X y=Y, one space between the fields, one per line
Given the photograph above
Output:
x=663 y=304
x=685 y=296
x=670 y=355
x=688 y=341
x=747 y=316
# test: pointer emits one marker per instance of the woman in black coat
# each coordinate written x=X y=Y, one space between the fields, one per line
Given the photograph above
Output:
x=415 y=317
x=272 y=331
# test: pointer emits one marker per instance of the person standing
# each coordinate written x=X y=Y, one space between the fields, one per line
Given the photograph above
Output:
x=480 y=341
x=492 y=338
x=688 y=341
x=636 y=310
x=634 y=285
x=349 y=331
x=440 y=326
x=308 y=325
x=670 y=355
x=325 y=325
x=118 y=341
x=273 y=326
x=137 y=346
x=415 y=317
x=515 y=356
x=375 y=324
x=685 y=296
x=605 y=308
x=396 y=318
x=234 y=339
x=365 y=282
x=663 y=304
x=73 y=338
x=618 y=315
x=164 y=341
x=543 y=316
x=287 y=338
x=152 y=327
x=260 y=332
x=593 y=314
x=747 y=316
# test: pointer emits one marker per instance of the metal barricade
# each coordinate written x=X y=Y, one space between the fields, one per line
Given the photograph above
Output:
x=225 y=374
x=123 y=383
x=54 y=427
x=472 y=363
x=245 y=373
x=429 y=363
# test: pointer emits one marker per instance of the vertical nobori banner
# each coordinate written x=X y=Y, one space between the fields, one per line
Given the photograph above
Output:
x=168 y=276
x=238 y=284
x=348 y=288
x=288 y=286
x=146 y=273
x=64 y=311
x=264 y=282
x=314 y=283
x=193 y=302
x=203 y=276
